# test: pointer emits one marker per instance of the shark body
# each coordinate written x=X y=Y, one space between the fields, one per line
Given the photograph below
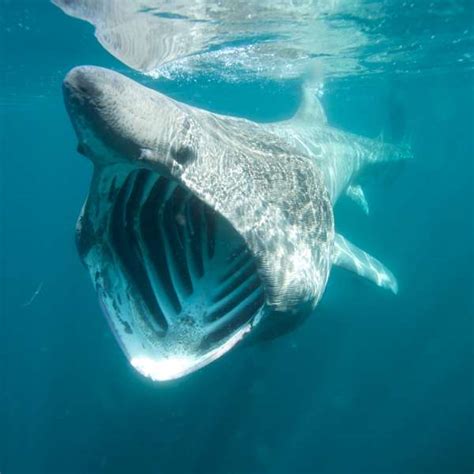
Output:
x=201 y=228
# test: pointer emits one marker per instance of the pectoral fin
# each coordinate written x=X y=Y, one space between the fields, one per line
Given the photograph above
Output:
x=348 y=256
x=356 y=193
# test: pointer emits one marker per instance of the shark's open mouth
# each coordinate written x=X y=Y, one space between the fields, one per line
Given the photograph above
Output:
x=177 y=281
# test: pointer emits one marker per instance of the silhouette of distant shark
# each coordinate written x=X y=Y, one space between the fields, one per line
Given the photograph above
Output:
x=200 y=228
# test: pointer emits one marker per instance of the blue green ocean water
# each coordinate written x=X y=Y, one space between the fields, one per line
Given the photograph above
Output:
x=371 y=383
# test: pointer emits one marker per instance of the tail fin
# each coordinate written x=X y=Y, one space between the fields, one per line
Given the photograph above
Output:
x=382 y=152
x=381 y=159
x=394 y=131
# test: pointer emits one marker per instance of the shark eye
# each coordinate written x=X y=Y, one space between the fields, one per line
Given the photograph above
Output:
x=183 y=155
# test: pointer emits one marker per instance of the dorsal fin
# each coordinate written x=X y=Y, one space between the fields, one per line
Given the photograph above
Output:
x=311 y=110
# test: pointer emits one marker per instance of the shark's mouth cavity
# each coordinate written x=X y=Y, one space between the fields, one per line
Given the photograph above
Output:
x=176 y=280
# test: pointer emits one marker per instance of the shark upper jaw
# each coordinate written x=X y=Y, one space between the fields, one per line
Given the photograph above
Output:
x=89 y=105
x=111 y=114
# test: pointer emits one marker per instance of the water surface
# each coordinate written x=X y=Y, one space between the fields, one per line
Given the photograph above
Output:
x=371 y=383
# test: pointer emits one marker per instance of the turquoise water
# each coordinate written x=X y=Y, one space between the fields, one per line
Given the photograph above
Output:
x=371 y=383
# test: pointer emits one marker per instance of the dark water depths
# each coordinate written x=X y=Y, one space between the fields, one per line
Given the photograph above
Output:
x=371 y=383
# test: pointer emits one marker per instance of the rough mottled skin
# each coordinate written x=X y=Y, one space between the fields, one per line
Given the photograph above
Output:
x=274 y=183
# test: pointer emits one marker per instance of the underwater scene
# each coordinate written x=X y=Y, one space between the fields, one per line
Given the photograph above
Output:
x=236 y=237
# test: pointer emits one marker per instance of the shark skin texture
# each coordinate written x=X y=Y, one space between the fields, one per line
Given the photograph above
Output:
x=200 y=229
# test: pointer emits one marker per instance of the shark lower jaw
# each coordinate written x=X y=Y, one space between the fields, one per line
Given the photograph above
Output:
x=176 y=281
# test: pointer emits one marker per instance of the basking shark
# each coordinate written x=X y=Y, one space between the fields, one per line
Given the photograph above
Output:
x=200 y=229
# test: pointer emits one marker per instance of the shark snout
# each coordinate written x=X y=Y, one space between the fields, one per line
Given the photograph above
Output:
x=98 y=102
x=117 y=120
x=81 y=83
x=83 y=90
x=91 y=83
